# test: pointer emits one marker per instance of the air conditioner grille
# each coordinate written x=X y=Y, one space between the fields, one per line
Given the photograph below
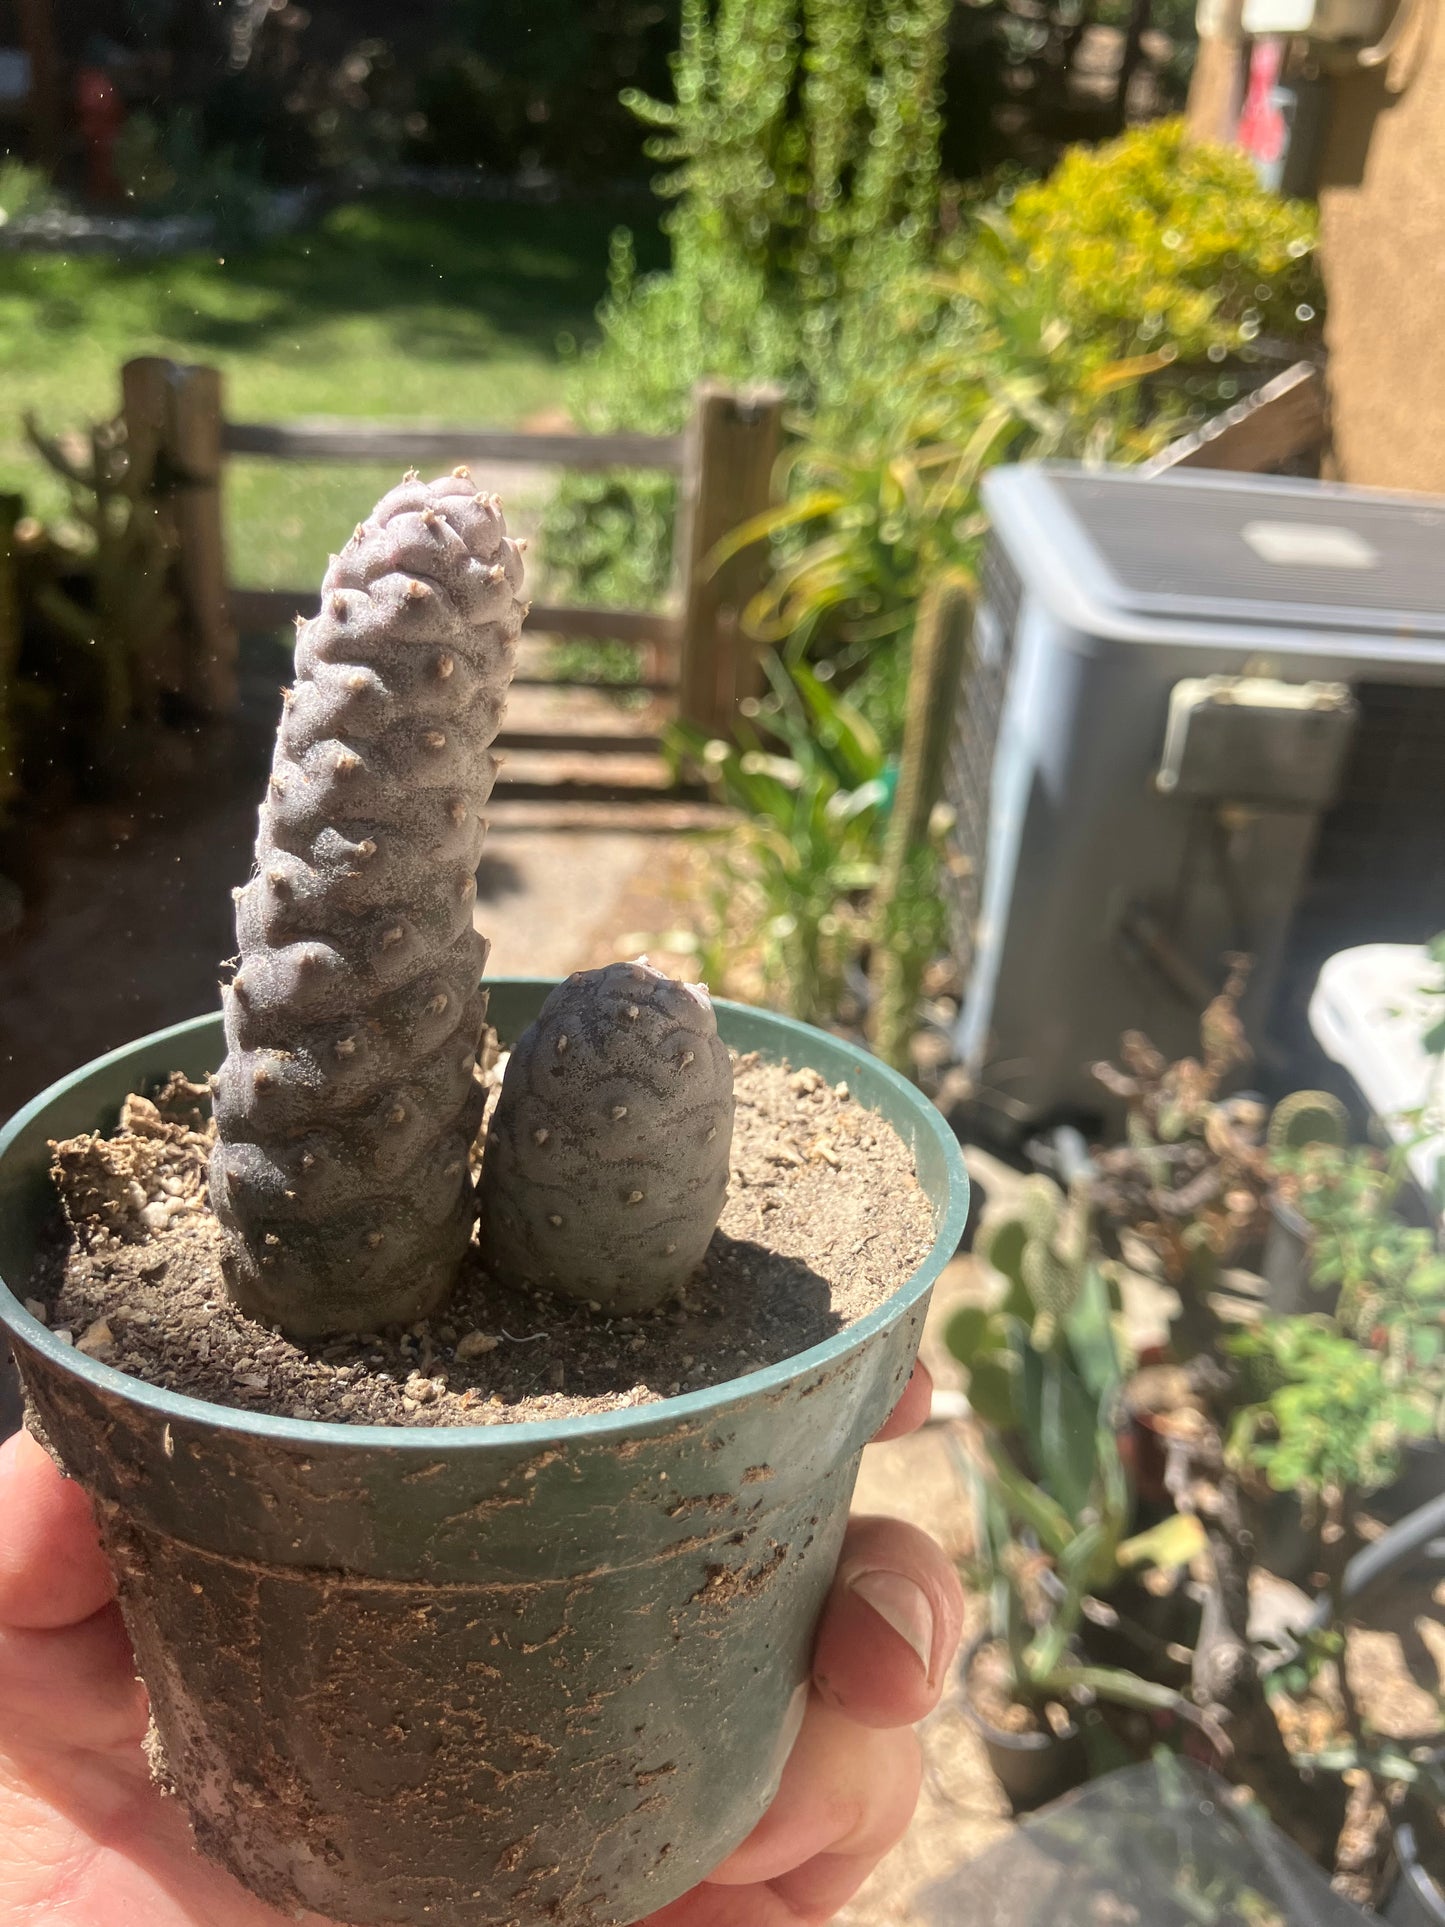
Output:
x=1170 y=541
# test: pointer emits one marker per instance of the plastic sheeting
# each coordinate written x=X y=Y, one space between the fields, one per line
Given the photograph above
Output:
x=1162 y=1845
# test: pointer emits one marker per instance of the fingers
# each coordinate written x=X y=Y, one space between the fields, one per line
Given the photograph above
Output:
x=912 y=1409
x=846 y=1797
x=72 y=1686
x=891 y=1625
x=52 y=1571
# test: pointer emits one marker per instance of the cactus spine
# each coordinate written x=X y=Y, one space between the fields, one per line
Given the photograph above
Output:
x=607 y=1155
x=348 y=1101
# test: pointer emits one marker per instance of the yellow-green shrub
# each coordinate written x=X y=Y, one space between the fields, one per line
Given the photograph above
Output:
x=1152 y=241
x=1086 y=316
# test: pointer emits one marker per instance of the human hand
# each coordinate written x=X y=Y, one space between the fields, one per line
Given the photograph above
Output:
x=85 y=1836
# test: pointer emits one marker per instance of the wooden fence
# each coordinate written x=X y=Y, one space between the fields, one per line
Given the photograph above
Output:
x=696 y=650
x=1284 y=422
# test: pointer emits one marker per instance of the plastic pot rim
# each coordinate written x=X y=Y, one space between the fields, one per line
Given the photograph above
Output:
x=631 y=1421
x=1418 y=1881
x=985 y=1728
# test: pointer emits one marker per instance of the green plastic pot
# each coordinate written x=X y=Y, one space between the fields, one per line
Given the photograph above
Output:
x=491 y=1676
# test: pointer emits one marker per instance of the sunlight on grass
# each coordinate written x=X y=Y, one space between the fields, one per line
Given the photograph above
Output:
x=284 y=519
x=387 y=309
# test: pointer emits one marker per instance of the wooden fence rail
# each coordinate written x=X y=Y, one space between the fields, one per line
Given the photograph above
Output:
x=697 y=649
x=330 y=440
x=1279 y=423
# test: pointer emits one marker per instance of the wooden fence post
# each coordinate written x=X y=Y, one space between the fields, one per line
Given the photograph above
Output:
x=941 y=636
x=173 y=419
x=1285 y=419
x=10 y=511
x=730 y=451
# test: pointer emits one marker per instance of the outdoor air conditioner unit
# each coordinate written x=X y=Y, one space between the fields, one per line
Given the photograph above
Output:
x=1203 y=714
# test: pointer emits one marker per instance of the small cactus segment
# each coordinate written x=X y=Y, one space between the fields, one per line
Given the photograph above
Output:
x=1305 y=1118
x=347 y=1102
x=1040 y=1242
x=606 y=1162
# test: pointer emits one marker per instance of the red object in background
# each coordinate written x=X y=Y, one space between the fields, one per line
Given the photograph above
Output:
x=1262 y=127
x=101 y=114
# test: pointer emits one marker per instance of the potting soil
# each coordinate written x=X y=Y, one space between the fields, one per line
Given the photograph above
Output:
x=824 y=1219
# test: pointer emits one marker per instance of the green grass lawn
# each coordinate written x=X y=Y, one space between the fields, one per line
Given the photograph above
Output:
x=388 y=308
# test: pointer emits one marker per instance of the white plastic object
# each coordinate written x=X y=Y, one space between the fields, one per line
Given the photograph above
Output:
x=1369 y=1012
x=1314 y=19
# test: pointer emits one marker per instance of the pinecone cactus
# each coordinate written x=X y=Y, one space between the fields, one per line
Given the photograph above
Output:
x=348 y=1101
x=606 y=1161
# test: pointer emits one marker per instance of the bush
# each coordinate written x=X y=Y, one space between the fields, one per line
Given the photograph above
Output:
x=1155 y=241
x=804 y=147
x=1093 y=315
x=24 y=190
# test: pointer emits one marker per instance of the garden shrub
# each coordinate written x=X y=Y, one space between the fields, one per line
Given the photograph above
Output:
x=24 y=190
x=1093 y=315
x=1154 y=240
x=803 y=140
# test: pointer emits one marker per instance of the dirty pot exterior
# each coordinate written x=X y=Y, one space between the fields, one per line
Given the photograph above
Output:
x=485 y=1676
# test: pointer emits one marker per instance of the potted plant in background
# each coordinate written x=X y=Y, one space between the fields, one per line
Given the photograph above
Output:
x=489 y=1672
x=1056 y=1555
x=1281 y=1442
x=1333 y=1427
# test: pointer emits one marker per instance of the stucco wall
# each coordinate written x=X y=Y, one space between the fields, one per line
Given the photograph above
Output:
x=1382 y=209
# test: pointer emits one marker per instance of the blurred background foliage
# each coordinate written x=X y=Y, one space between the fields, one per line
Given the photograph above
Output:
x=859 y=199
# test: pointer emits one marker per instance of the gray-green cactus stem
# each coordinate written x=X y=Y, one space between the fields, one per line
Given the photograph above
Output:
x=348 y=1099
x=606 y=1161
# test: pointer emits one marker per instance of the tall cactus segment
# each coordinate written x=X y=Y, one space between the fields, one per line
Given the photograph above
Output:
x=348 y=1101
x=607 y=1155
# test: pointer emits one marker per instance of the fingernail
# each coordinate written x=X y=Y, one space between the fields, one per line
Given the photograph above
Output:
x=903 y=1605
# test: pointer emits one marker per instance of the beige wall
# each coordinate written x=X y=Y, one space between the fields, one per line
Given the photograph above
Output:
x=1216 y=89
x=1382 y=211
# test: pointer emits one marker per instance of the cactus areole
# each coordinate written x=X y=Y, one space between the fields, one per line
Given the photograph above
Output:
x=607 y=1156
x=348 y=1099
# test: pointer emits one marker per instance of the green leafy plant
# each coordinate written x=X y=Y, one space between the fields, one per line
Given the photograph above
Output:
x=1334 y=1425
x=1089 y=316
x=130 y=610
x=1037 y=1600
x=800 y=132
x=809 y=778
x=803 y=145
x=1046 y=1371
x=1157 y=242
x=1389 y=1275
x=1048 y=1360
x=24 y=190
